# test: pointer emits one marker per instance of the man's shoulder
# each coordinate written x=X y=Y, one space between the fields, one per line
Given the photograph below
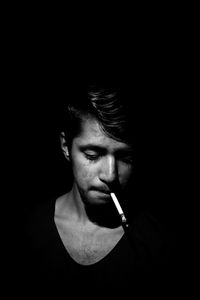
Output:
x=154 y=236
x=39 y=220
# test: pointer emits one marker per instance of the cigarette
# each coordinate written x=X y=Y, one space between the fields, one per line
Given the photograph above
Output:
x=118 y=207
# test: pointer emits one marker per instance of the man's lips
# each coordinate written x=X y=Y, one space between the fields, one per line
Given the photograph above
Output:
x=102 y=191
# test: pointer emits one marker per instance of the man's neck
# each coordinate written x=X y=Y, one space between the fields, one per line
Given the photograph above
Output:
x=103 y=215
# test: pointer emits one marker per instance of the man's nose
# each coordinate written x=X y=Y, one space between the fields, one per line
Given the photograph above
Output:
x=109 y=170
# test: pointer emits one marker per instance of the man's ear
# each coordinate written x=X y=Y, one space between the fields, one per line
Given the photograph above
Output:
x=64 y=146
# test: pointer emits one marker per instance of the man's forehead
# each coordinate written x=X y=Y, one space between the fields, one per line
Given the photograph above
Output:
x=93 y=135
x=91 y=127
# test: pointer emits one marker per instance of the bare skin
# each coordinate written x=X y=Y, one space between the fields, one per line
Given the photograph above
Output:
x=86 y=242
x=97 y=161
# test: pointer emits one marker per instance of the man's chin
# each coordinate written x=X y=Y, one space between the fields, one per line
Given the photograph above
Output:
x=102 y=212
x=97 y=202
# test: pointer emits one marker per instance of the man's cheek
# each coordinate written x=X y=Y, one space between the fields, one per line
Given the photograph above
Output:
x=83 y=172
x=125 y=178
x=86 y=175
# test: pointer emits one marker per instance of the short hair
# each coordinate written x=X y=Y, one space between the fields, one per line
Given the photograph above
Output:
x=110 y=105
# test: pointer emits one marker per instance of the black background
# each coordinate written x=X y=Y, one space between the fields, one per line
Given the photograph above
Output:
x=41 y=71
x=41 y=59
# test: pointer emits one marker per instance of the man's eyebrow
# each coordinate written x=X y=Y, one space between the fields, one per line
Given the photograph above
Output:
x=100 y=148
x=92 y=147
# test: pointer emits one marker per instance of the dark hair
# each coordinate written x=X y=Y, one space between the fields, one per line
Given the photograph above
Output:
x=110 y=105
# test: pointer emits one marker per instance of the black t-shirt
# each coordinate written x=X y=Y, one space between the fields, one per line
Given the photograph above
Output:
x=145 y=263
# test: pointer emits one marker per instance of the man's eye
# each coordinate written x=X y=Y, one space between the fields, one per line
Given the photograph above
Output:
x=91 y=156
x=127 y=160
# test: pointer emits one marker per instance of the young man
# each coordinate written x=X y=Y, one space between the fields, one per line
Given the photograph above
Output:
x=77 y=241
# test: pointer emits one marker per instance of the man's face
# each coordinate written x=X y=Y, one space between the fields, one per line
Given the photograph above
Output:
x=98 y=162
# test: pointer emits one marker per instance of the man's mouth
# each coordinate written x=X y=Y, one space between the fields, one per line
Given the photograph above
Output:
x=104 y=191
